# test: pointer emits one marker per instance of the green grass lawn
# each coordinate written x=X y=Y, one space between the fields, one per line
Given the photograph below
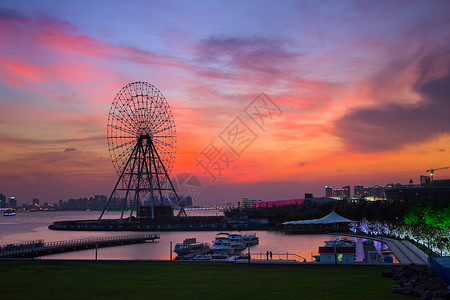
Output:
x=189 y=280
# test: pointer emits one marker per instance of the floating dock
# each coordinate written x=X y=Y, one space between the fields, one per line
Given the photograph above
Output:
x=39 y=248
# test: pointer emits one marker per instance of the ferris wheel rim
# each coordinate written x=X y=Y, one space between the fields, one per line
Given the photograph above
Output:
x=140 y=108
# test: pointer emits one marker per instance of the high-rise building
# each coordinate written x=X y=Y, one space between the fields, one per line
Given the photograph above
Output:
x=36 y=202
x=346 y=191
x=2 y=201
x=358 y=190
x=378 y=191
x=328 y=191
x=338 y=192
x=367 y=191
x=12 y=202
x=425 y=180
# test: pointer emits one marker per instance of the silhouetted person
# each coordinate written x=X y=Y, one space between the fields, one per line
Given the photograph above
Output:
x=270 y=254
x=267 y=254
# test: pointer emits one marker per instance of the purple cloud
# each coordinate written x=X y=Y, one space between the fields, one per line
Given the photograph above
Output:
x=227 y=56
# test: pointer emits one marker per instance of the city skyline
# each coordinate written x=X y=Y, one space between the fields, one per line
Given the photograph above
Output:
x=358 y=92
x=328 y=191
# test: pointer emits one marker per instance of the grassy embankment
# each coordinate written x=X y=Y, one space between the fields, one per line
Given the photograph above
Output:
x=187 y=280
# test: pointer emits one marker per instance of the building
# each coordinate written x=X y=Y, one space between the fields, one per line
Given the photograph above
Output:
x=2 y=201
x=277 y=203
x=358 y=190
x=12 y=202
x=367 y=191
x=35 y=203
x=437 y=191
x=378 y=191
x=341 y=255
x=328 y=191
x=247 y=203
x=346 y=191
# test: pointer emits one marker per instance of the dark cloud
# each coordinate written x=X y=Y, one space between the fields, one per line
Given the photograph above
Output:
x=7 y=14
x=225 y=56
x=393 y=126
x=302 y=164
x=70 y=149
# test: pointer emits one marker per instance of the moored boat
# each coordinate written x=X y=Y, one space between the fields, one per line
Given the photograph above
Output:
x=237 y=243
x=250 y=239
x=221 y=246
x=190 y=246
x=202 y=257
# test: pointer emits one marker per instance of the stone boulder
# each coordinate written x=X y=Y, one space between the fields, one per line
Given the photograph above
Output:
x=418 y=280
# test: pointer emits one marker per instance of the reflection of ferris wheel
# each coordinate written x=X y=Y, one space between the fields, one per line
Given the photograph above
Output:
x=142 y=144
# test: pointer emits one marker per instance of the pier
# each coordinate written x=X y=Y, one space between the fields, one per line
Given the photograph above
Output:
x=39 y=248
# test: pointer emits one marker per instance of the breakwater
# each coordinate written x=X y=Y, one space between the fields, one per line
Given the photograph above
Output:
x=166 y=224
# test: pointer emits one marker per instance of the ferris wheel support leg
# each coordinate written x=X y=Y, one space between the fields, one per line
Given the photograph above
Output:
x=117 y=184
x=182 y=212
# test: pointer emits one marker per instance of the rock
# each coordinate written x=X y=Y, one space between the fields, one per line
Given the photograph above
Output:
x=403 y=280
x=426 y=295
x=437 y=286
x=430 y=273
x=438 y=280
x=404 y=290
x=419 y=269
x=409 y=283
x=443 y=294
x=419 y=289
x=418 y=280
x=407 y=273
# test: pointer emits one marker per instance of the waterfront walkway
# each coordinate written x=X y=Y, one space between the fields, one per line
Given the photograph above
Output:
x=405 y=252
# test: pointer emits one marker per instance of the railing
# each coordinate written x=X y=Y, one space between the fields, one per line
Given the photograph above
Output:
x=279 y=256
x=441 y=265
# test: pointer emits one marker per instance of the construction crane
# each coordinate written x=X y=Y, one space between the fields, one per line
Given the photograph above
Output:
x=432 y=171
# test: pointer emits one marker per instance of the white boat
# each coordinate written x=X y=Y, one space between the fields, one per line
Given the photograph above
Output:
x=228 y=244
x=250 y=239
x=190 y=246
x=340 y=242
x=202 y=257
x=237 y=243
x=221 y=246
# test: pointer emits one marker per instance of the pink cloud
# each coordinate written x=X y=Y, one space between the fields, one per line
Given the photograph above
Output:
x=50 y=54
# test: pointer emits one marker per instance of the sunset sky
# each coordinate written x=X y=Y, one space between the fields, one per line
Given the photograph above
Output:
x=359 y=92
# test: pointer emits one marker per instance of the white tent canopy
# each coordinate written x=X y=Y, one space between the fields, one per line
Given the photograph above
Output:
x=328 y=219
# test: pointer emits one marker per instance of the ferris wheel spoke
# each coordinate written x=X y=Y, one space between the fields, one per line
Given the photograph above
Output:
x=119 y=120
x=129 y=115
x=122 y=129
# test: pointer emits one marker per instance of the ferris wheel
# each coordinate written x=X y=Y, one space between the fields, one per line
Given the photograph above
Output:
x=142 y=144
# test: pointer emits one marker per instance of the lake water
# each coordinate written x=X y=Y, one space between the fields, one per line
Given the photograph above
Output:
x=27 y=226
